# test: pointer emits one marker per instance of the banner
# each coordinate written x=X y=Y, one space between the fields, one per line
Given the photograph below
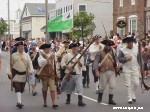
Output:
x=61 y=22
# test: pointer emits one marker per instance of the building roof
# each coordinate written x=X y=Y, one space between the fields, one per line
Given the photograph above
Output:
x=38 y=9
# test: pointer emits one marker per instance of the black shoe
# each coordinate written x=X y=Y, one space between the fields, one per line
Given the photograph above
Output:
x=80 y=102
x=130 y=102
x=44 y=105
x=112 y=102
x=55 y=106
x=67 y=101
x=34 y=93
x=19 y=105
x=134 y=100
x=99 y=99
x=111 y=99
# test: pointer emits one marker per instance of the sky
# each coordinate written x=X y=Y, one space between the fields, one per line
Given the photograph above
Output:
x=14 y=5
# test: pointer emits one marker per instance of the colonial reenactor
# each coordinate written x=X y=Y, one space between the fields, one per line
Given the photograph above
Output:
x=93 y=49
x=21 y=67
x=34 y=54
x=59 y=54
x=75 y=81
x=128 y=56
x=104 y=67
x=47 y=74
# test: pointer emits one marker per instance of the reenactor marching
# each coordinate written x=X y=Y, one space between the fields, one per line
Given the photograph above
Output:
x=73 y=81
x=128 y=56
x=47 y=74
x=104 y=67
x=21 y=68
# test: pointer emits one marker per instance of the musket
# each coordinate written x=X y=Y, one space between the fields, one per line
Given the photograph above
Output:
x=70 y=73
x=146 y=87
x=10 y=62
x=105 y=31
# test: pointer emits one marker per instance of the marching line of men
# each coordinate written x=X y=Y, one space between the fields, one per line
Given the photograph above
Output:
x=41 y=65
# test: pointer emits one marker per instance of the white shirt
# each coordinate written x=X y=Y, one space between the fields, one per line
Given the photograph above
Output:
x=67 y=58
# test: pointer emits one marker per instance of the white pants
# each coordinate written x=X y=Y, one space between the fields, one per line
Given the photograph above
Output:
x=131 y=82
x=107 y=77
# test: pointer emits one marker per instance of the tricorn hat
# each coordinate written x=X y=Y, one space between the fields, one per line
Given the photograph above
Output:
x=20 y=39
x=20 y=43
x=108 y=42
x=97 y=37
x=44 y=46
x=128 y=39
x=66 y=41
x=74 y=44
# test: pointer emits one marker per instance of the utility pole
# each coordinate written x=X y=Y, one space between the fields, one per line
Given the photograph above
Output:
x=9 y=22
x=46 y=12
x=9 y=37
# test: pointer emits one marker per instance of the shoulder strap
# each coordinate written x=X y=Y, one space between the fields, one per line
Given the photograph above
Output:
x=34 y=56
x=72 y=59
x=103 y=59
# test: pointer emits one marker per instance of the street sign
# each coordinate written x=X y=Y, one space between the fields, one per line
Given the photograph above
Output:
x=121 y=24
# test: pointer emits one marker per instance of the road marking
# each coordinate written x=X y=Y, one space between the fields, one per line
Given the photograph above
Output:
x=92 y=99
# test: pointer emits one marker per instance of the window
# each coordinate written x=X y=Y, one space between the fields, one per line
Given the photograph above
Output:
x=132 y=2
x=148 y=23
x=82 y=8
x=64 y=9
x=71 y=7
x=132 y=24
x=121 y=3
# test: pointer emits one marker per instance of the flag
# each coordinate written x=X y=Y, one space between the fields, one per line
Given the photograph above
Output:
x=61 y=22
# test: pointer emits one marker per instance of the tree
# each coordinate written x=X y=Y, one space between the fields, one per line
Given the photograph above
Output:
x=83 y=25
x=3 y=28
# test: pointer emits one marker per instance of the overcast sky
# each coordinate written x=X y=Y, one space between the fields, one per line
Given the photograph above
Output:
x=14 y=5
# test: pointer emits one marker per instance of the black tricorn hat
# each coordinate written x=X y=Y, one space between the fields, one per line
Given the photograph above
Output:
x=74 y=44
x=97 y=37
x=108 y=42
x=128 y=39
x=20 y=43
x=44 y=46
x=20 y=39
x=66 y=41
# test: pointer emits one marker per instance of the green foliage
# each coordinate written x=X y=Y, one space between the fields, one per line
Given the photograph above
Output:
x=82 y=20
x=3 y=28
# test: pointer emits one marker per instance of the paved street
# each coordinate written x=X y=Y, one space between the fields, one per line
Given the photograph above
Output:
x=34 y=103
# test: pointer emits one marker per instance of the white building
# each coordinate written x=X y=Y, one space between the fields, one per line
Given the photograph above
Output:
x=14 y=25
x=101 y=10
x=33 y=19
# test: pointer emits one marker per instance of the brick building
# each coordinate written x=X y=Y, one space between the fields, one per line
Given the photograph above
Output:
x=133 y=13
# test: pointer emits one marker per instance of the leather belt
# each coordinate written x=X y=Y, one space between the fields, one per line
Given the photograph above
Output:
x=19 y=73
x=106 y=69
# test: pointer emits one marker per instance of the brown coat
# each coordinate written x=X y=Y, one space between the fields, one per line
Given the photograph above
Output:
x=48 y=70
